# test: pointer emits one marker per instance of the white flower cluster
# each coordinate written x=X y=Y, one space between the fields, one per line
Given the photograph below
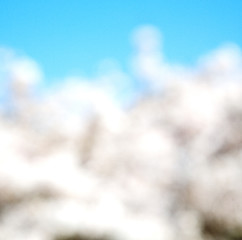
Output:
x=77 y=163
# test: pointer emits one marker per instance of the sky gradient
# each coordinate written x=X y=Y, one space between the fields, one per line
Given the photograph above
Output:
x=73 y=37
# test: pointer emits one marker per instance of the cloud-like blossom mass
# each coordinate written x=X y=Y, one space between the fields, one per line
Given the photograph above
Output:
x=149 y=154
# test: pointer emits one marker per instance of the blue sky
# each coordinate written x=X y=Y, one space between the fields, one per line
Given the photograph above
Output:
x=73 y=37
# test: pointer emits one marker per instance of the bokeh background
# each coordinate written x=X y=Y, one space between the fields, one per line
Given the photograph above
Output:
x=120 y=120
